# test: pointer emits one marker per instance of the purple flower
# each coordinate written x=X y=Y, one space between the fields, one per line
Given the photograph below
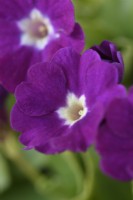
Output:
x=60 y=105
x=108 y=51
x=31 y=32
x=3 y=113
x=115 y=138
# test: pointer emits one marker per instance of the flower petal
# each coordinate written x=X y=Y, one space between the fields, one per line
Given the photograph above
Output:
x=44 y=92
x=75 y=40
x=36 y=130
x=78 y=137
x=120 y=118
x=68 y=60
x=117 y=167
x=13 y=67
x=9 y=37
x=98 y=78
x=15 y=9
x=61 y=13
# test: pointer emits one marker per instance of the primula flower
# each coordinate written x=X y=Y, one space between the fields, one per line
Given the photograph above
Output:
x=60 y=105
x=108 y=52
x=31 y=32
x=3 y=113
x=115 y=138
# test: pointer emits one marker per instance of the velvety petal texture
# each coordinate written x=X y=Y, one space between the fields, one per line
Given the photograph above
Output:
x=61 y=104
x=31 y=32
x=115 y=138
x=108 y=52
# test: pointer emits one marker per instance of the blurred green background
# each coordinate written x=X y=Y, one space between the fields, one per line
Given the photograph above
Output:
x=32 y=176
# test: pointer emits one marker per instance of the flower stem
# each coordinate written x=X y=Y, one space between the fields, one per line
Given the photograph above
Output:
x=88 y=176
x=88 y=179
x=71 y=160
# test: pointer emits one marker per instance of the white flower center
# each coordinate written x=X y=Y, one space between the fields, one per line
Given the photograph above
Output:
x=74 y=111
x=37 y=30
